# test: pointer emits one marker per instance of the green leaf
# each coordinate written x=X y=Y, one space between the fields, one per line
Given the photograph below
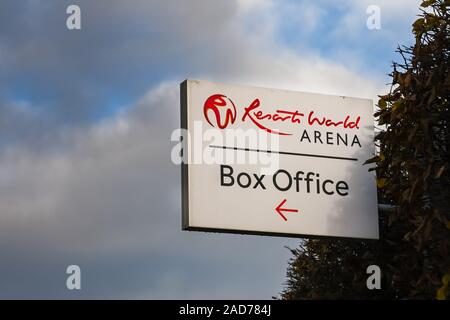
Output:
x=395 y=105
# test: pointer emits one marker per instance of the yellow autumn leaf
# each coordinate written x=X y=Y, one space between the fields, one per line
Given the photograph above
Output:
x=441 y=293
x=446 y=279
x=381 y=183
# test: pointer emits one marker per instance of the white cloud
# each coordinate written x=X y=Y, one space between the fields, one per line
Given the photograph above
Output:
x=393 y=14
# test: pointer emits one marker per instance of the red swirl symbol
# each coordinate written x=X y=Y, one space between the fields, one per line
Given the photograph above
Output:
x=215 y=102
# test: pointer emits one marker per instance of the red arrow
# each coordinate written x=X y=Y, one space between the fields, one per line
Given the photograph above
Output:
x=279 y=209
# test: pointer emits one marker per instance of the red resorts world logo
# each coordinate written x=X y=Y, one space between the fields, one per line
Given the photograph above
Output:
x=220 y=104
x=224 y=112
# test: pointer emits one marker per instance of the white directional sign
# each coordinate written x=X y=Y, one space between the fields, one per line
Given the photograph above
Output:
x=276 y=162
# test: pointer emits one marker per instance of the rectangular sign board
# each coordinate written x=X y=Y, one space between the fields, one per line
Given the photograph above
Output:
x=276 y=162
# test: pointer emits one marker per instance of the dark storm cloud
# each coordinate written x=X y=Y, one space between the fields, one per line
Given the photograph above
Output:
x=124 y=47
x=111 y=204
x=73 y=78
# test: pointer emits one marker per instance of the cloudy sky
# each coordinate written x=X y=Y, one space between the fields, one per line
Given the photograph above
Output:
x=85 y=123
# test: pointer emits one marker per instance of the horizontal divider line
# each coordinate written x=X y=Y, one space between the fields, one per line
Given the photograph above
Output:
x=284 y=152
